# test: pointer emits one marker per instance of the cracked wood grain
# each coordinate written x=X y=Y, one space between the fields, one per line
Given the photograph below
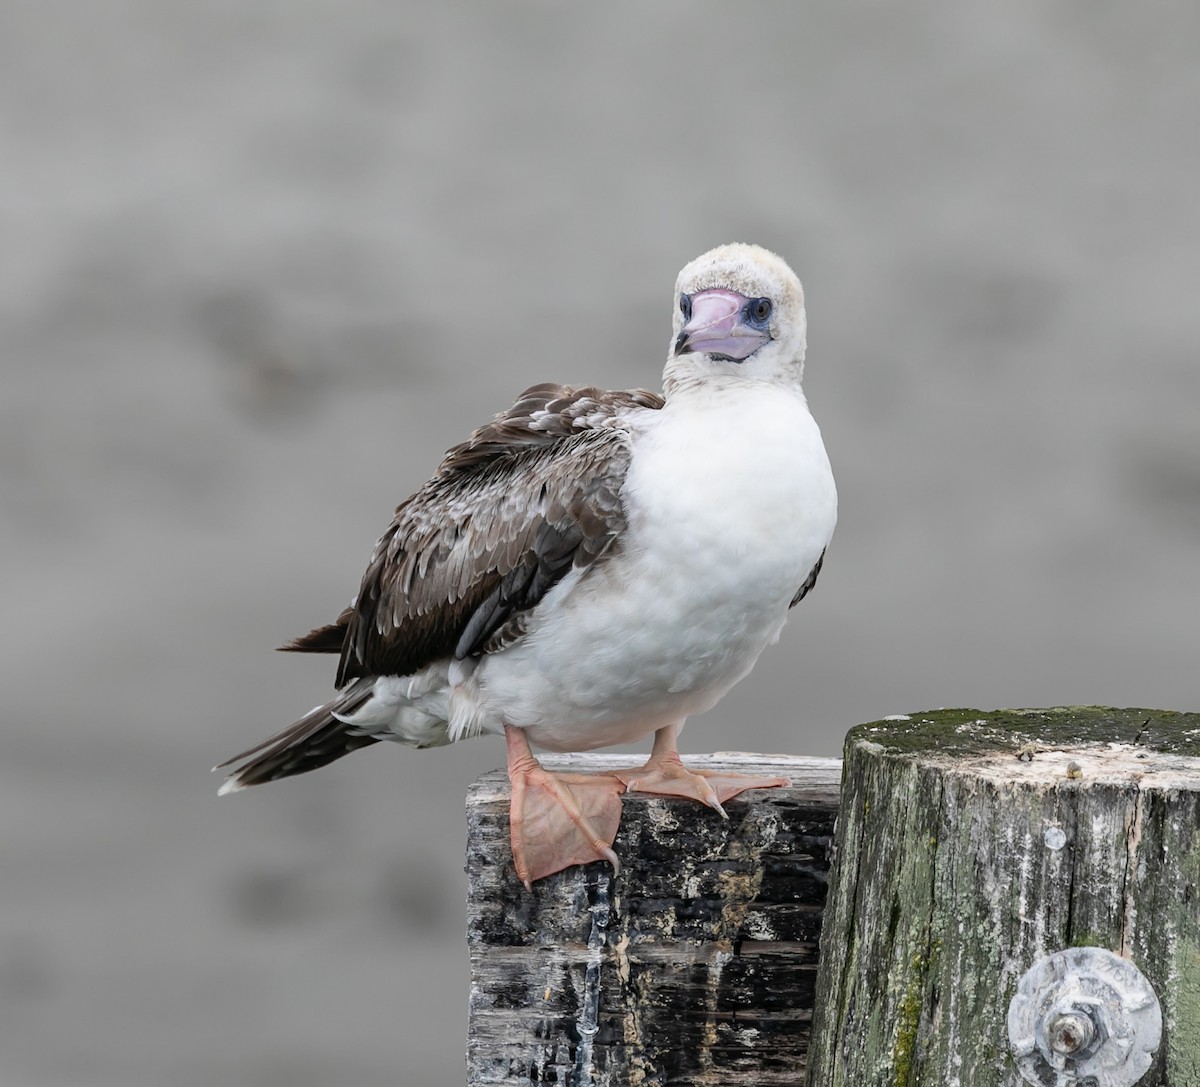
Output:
x=971 y=844
x=696 y=965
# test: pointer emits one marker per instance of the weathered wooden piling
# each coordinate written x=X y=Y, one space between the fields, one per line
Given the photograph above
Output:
x=973 y=846
x=1015 y=898
x=694 y=966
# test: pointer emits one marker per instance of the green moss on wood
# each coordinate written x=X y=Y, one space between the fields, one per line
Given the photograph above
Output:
x=961 y=732
x=1185 y=1029
x=909 y=1021
x=947 y=887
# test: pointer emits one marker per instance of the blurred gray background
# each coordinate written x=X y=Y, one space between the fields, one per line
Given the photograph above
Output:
x=260 y=264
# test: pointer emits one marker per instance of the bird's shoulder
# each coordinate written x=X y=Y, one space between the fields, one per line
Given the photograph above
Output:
x=543 y=416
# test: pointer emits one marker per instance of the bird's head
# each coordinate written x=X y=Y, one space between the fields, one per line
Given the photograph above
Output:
x=739 y=314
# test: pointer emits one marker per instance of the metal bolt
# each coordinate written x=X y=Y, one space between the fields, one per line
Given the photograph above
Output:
x=1070 y=1032
x=1084 y=1016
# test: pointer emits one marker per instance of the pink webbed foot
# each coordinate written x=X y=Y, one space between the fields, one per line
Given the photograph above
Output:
x=556 y=820
x=665 y=775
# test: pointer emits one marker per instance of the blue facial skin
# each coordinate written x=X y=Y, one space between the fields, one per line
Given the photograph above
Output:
x=753 y=315
x=757 y=313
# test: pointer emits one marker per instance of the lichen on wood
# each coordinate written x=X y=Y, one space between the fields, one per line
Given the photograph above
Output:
x=969 y=845
x=694 y=966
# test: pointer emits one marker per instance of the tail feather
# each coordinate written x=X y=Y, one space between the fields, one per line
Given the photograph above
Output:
x=318 y=738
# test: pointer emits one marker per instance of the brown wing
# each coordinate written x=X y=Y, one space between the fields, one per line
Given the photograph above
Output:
x=510 y=511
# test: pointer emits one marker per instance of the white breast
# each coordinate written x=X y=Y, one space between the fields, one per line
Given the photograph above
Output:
x=730 y=502
x=736 y=488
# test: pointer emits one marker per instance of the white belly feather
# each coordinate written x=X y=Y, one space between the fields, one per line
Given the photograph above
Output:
x=730 y=502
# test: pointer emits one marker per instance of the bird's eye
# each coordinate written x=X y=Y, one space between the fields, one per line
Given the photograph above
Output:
x=685 y=306
x=760 y=310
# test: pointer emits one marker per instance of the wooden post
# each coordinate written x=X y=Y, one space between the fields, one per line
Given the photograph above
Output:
x=973 y=846
x=694 y=966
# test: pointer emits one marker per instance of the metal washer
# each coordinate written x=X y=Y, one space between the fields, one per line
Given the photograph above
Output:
x=1084 y=1017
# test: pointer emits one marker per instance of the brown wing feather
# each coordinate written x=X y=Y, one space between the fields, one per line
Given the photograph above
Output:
x=542 y=415
x=327 y=639
x=509 y=512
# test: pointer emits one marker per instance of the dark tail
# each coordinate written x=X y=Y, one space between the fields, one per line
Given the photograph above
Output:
x=316 y=739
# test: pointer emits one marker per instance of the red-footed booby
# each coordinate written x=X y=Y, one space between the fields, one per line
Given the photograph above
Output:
x=591 y=567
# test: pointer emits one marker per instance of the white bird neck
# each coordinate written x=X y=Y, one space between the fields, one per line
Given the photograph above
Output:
x=691 y=384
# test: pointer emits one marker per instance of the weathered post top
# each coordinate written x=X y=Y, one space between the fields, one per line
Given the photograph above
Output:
x=694 y=966
x=973 y=849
